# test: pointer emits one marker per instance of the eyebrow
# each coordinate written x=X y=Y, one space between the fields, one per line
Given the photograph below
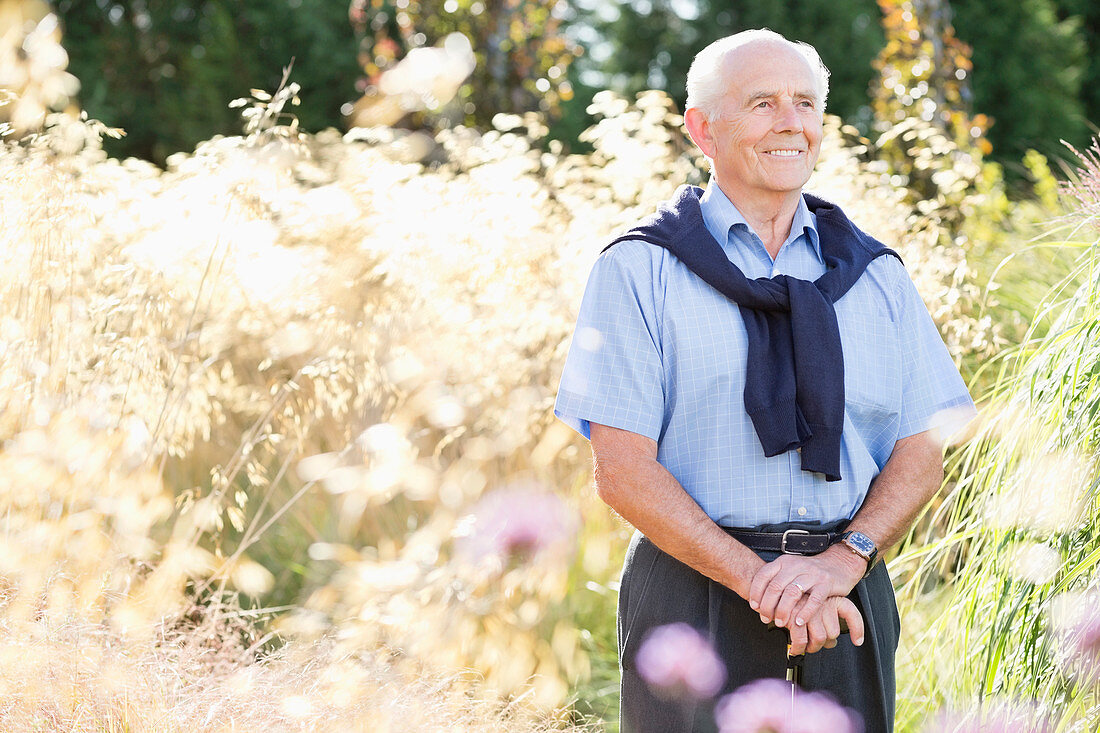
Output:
x=757 y=96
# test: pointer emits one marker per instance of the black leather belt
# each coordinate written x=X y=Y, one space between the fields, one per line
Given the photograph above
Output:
x=791 y=542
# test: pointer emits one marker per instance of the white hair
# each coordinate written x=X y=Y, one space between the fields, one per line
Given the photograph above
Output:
x=706 y=84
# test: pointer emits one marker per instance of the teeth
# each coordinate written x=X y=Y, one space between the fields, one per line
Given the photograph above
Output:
x=785 y=153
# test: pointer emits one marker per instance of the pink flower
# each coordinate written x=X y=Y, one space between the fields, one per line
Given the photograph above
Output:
x=676 y=661
x=517 y=523
x=1084 y=640
x=767 y=706
x=1075 y=620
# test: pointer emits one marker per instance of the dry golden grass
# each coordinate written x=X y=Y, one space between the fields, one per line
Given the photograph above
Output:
x=315 y=370
x=82 y=678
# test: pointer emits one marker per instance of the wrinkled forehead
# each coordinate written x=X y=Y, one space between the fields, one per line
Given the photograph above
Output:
x=767 y=66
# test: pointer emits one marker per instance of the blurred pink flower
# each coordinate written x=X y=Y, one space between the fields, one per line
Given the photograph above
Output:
x=1084 y=638
x=1075 y=620
x=518 y=522
x=765 y=706
x=676 y=661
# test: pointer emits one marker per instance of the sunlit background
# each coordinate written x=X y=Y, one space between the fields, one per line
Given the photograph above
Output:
x=287 y=287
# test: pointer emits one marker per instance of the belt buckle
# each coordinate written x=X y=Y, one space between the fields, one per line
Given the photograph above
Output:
x=783 y=541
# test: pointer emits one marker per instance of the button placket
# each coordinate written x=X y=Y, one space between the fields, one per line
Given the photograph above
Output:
x=794 y=500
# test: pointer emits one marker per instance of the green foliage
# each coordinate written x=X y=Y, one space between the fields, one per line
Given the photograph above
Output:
x=522 y=55
x=1027 y=74
x=937 y=153
x=1087 y=14
x=1034 y=97
x=923 y=73
x=163 y=71
x=650 y=45
x=996 y=575
x=1015 y=542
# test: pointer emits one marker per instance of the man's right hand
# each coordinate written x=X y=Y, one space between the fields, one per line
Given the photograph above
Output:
x=791 y=588
x=823 y=628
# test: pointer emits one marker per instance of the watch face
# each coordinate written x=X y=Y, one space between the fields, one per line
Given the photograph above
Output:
x=861 y=543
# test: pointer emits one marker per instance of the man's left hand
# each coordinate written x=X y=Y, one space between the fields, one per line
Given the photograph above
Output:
x=791 y=588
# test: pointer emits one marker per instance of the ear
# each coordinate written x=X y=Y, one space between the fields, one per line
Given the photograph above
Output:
x=699 y=129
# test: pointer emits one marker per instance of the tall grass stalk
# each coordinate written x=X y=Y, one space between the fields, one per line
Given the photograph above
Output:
x=996 y=573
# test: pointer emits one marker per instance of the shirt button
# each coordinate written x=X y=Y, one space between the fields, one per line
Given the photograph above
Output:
x=775 y=271
x=801 y=511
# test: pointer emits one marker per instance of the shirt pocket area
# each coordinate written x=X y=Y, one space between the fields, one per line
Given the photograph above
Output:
x=872 y=371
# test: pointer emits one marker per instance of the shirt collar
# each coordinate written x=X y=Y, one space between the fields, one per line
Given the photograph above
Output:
x=720 y=215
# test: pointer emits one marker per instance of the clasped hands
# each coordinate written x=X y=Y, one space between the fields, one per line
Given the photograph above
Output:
x=807 y=595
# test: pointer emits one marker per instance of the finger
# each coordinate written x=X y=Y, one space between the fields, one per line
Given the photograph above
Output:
x=831 y=621
x=773 y=595
x=811 y=604
x=799 y=639
x=789 y=599
x=852 y=617
x=824 y=626
x=760 y=583
x=816 y=635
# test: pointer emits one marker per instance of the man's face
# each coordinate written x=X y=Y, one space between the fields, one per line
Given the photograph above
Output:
x=767 y=133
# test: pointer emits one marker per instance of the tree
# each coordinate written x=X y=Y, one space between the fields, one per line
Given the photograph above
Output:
x=166 y=70
x=522 y=57
x=642 y=45
x=924 y=72
x=1087 y=14
x=1027 y=74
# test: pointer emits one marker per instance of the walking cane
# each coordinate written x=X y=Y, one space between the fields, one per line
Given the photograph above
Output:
x=794 y=666
x=794 y=674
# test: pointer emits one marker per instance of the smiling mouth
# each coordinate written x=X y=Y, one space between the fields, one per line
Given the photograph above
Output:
x=785 y=153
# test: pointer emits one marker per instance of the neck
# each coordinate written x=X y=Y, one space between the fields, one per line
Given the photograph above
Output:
x=769 y=216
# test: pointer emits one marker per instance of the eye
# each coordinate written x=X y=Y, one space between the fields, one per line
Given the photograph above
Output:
x=763 y=104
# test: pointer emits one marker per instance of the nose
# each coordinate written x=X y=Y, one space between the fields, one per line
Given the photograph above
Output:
x=787 y=118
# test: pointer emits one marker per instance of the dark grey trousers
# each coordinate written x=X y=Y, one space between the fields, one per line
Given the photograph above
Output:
x=657 y=589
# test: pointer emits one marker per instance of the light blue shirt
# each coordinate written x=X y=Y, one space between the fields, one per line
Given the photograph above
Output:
x=660 y=353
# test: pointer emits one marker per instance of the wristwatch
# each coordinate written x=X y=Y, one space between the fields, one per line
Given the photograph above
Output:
x=863 y=546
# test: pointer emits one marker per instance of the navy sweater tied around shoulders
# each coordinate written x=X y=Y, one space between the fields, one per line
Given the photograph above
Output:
x=794 y=376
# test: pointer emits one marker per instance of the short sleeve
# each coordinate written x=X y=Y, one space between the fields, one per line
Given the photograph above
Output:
x=934 y=396
x=613 y=374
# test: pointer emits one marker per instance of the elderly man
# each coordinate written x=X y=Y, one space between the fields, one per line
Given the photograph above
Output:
x=761 y=385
